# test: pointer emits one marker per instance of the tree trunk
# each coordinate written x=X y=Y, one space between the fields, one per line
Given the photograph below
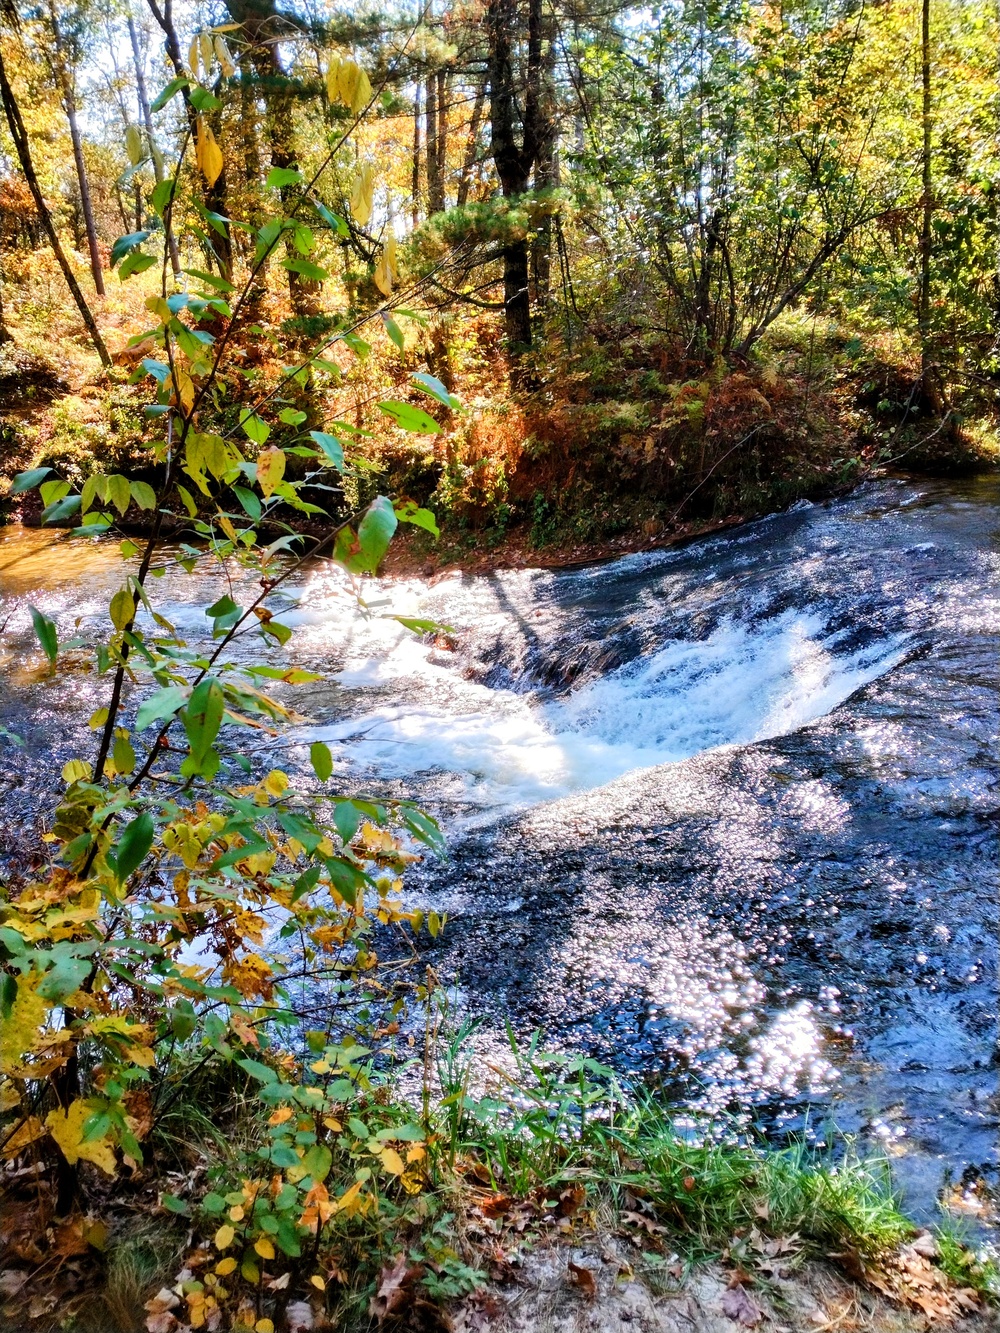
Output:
x=415 y=185
x=23 y=149
x=147 y=120
x=214 y=197
x=928 y=387
x=261 y=25
x=471 y=147
x=443 y=92
x=435 y=196
x=514 y=161
x=65 y=78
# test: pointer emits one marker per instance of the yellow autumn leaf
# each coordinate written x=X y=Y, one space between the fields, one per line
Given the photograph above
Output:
x=224 y=1237
x=270 y=469
x=264 y=1248
x=224 y=58
x=183 y=389
x=333 y=1124
x=193 y=53
x=66 y=1127
x=206 y=50
x=392 y=1161
x=382 y=277
x=23 y=1137
x=332 y=75
x=390 y=253
x=264 y=1326
x=23 y=1024
x=349 y=1200
x=317 y=1282
x=208 y=154
x=347 y=80
x=276 y=782
x=225 y=1266
x=280 y=1116
x=226 y=524
x=76 y=770
x=133 y=144
x=362 y=194
x=362 y=92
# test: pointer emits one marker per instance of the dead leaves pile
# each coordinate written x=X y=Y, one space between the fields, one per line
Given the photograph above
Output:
x=911 y=1278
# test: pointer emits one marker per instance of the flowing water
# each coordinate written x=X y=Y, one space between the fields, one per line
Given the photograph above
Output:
x=724 y=815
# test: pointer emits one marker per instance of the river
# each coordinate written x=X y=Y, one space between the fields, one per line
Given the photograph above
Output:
x=725 y=816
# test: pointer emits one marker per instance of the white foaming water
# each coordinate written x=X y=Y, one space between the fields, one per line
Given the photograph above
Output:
x=740 y=684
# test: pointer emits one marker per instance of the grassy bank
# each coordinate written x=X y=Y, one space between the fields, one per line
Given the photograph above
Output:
x=337 y=1202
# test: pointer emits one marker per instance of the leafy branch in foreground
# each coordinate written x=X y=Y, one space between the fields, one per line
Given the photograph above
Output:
x=190 y=902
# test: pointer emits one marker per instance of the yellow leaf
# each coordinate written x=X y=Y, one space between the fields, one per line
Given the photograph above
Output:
x=264 y=1248
x=208 y=154
x=22 y=1137
x=225 y=1266
x=76 y=770
x=122 y=609
x=362 y=92
x=392 y=1161
x=348 y=1201
x=280 y=1116
x=270 y=469
x=347 y=80
x=390 y=253
x=332 y=75
x=193 y=53
x=22 y=1026
x=206 y=50
x=226 y=524
x=333 y=1124
x=224 y=1237
x=264 y=1326
x=276 y=782
x=183 y=389
x=66 y=1127
x=236 y=1213
x=362 y=194
x=318 y=1282
x=133 y=144
x=224 y=58
x=382 y=278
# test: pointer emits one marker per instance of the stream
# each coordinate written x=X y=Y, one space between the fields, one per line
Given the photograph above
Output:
x=724 y=816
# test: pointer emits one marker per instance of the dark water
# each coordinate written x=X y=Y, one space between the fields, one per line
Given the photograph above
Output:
x=726 y=816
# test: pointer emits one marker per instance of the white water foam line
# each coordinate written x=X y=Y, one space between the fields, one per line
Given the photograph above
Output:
x=740 y=684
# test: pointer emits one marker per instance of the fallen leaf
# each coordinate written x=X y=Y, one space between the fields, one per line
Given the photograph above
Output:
x=740 y=1306
x=583 y=1278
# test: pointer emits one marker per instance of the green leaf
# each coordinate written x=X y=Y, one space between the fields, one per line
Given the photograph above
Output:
x=291 y=416
x=45 y=631
x=165 y=94
x=210 y=280
x=203 y=100
x=346 y=820
x=137 y=262
x=256 y=1069
x=317 y=1161
x=26 y=481
x=122 y=608
x=279 y=177
x=175 y=1205
x=420 y=626
x=143 y=494
x=63 y=508
x=331 y=446
x=433 y=386
x=51 y=491
x=408 y=512
x=375 y=532
x=67 y=976
x=249 y=501
x=133 y=846
x=255 y=427
x=162 y=194
x=202 y=718
x=322 y=760
x=124 y=244
x=394 y=331
x=311 y=272
x=163 y=704
x=119 y=492
x=411 y=418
